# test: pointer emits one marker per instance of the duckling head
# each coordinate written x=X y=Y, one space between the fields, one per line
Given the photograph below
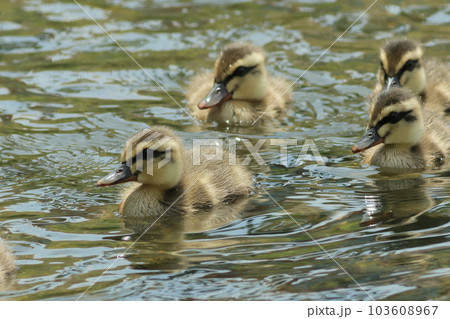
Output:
x=396 y=119
x=401 y=65
x=151 y=157
x=239 y=74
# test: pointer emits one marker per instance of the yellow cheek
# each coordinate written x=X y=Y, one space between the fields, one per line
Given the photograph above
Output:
x=405 y=133
x=252 y=87
x=384 y=130
x=415 y=81
x=418 y=81
x=233 y=85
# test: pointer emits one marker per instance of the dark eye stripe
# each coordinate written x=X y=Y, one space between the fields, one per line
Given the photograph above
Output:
x=408 y=66
x=395 y=117
x=240 y=71
x=147 y=153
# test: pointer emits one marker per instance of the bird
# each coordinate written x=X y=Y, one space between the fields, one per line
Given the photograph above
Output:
x=401 y=134
x=402 y=63
x=7 y=266
x=169 y=178
x=239 y=91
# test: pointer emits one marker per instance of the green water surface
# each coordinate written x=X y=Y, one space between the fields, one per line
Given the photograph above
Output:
x=70 y=97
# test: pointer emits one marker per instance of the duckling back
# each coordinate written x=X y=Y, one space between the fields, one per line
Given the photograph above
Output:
x=435 y=143
x=436 y=94
x=214 y=181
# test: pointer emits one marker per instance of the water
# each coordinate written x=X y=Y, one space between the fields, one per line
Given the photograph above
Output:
x=70 y=97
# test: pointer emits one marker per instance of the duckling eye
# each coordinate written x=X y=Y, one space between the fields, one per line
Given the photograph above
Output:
x=149 y=153
x=241 y=71
x=394 y=117
x=157 y=153
x=410 y=65
x=144 y=154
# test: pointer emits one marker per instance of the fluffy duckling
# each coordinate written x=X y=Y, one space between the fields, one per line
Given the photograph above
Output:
x=239 y=91
x=402 y=64
x=168 y=177
x=7 y=266
x=410 y=136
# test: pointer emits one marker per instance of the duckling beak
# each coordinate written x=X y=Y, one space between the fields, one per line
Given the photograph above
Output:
x=215 y=97
x=391 y=81
x=121 y=175
x=369 y=139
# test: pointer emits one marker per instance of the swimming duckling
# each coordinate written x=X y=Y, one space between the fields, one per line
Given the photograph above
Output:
x=412 y=137
x=402 y=64
x=240 y=91
x=7 y=266
x=169 y=178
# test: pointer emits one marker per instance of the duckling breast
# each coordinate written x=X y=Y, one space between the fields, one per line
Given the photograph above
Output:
x=143 y=201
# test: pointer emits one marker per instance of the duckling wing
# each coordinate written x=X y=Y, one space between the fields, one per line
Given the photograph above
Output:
x=217 y=180
x=437 y=92
x=436 y=138
x=436 y=70
x=279 y=93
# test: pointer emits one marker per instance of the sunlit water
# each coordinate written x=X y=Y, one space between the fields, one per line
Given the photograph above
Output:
x=70 y=97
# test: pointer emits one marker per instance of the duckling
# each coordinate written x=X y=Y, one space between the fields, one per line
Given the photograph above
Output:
x=240 y=90
x=410 y=136
x=169 y=179
x=402 y=64
x=7 y=266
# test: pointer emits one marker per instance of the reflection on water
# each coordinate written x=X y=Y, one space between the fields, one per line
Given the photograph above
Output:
x=167 y=235
x=397 y=199
x=69 y=97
